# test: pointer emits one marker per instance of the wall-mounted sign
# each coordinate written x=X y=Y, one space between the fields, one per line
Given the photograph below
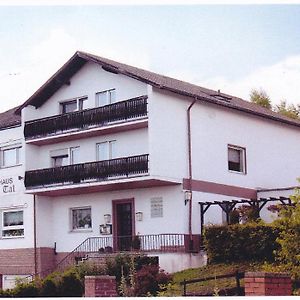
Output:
x=9 y=185
x=105 y=229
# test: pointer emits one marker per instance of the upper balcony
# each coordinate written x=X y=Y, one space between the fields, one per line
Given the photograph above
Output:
x=116 y=117
x=97 y=176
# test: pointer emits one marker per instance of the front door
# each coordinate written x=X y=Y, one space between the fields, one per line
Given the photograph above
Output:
x=123 y=212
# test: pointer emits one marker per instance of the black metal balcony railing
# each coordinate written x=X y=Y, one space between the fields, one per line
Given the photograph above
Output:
x=85 y=172
x=100 y=116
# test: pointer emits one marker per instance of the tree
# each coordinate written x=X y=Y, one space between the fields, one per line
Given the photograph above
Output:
x=289 y=237
x=261 y=98
x=288 y=110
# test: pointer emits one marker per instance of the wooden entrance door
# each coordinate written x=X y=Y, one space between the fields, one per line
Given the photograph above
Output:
x=123 y=224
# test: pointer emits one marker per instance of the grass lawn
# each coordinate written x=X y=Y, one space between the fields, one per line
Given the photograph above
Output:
x=208 y=271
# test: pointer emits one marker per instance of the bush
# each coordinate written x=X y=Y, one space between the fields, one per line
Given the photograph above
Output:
x=149 y=280
x=70 y=285
x=234 y=243
x=122 y=262
x=24 y=289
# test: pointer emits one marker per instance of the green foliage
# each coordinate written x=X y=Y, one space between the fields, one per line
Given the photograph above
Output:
x=289 y=237
x=247 y=242
x=70 y=285
x=288 y=110
x=149 y=280
x=25 y=289
x=121 y=263
x=261 y=98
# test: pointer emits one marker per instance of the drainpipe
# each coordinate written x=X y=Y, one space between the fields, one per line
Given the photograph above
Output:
x=34 y=236
x=190 y=171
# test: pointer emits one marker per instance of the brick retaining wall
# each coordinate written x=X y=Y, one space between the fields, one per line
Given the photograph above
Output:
x=100 y=286
x=267 y=284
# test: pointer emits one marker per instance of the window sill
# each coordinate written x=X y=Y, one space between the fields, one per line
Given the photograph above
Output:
x=83 y=230
x=236 y=172
x=7 y=167
x=12 y=237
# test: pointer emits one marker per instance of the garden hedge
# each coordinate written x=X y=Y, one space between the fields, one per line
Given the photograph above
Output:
x=235 y=243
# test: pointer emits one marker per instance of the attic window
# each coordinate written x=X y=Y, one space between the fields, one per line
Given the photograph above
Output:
x=222 y=97
x=73 y=105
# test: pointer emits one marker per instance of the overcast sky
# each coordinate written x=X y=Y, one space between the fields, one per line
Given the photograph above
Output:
x=228 y=47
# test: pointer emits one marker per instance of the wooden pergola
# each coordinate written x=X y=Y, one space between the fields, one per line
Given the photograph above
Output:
x=228 y=205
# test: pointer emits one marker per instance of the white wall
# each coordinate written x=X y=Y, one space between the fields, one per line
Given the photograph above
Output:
x=16 y=199
x=173 y=220
x=168 y=135
x=271 y=148
x=134 y=142
x=86 y=82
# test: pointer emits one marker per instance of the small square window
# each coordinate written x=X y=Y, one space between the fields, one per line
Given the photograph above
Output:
x=237 y=159
x=73 y=105
x=106 y=150
x=81 y=218
x=105 y=97
x=10 y=157
x=12 y=223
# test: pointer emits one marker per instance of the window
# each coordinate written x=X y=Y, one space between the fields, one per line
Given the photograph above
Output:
x=237 y=159
x=12 y=223
x=10 y=156
x=64 y=157
x=106 y=150
x=73 y=105
x=105 y=97
x=156 y=207
x=74 y=155
x=81 y=218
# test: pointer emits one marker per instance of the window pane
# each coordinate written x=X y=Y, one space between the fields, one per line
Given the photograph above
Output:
x=59 y=161
x=234 y=155
x=103 y=151
x=236 y=159
x=13 y=218
x=102 y=99
x=112 y=96
x=69 y=106
x=112 y=145
x=75 y=159
x=13 y=232
x=82 y=103
x=81 y=218
x=10 y=157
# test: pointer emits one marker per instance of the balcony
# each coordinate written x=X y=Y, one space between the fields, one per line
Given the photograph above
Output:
x=113 y=169
x=82 y=121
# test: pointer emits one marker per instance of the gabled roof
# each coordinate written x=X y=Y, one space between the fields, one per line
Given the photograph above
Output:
x=10 y=118
x=63 y=75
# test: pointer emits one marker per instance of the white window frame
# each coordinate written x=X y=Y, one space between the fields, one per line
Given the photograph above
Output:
x=13 y=227
x=111 y=97
x=80 y=229
x=79 y=103
x=243 y=162
x=109 y=144
x=18 y=155
x=66 y=152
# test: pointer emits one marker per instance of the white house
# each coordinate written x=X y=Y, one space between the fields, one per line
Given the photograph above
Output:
x=104 y=152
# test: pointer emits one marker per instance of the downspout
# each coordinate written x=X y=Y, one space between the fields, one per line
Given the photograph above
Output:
x=34 y=236
x=190 y=172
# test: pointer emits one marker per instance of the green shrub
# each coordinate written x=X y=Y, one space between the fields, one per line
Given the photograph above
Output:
x=24 y=289
x=122 y=262
x=48 y=288
x=70 y=285
x=234 y=243
x=149 y=280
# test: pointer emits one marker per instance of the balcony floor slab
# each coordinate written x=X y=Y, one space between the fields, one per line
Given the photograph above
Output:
x=104 y=186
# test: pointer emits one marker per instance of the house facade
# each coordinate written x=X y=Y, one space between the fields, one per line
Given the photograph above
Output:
x=105 y=154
